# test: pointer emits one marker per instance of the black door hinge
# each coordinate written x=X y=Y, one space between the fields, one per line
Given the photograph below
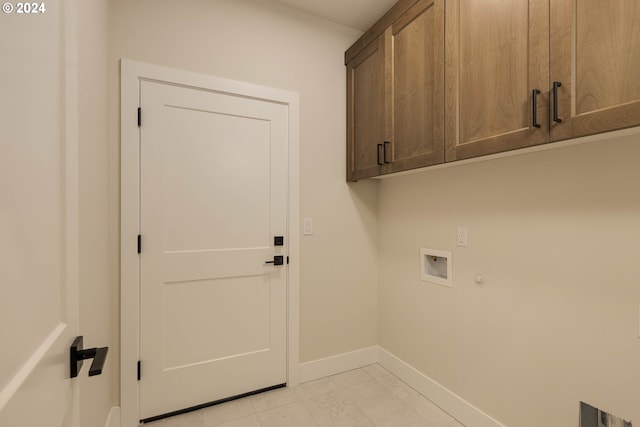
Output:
x=287 y=259
x=139 y=116
x=139 y=244
x=139 y=371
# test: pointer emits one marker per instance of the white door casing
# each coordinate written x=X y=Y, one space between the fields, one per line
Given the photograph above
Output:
x=183 y=243
x=213 y=196
x=39 y=218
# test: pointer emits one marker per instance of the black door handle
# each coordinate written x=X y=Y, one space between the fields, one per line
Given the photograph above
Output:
x=535 y=93
x=556 y=85
x=380 y=154
x=78 y=354
x=277 y=260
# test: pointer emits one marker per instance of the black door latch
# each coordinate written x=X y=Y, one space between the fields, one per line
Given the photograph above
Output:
x=277 y=260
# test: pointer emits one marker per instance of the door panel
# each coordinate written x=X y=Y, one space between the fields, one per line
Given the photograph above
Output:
x=608 y=63
x=246 y=307
x=418 y=86
x=38 y=219
x=235 y=156
x=497 y=54
x=213 y=195
x=595 y=57
x=494 y=84
x=366 y=112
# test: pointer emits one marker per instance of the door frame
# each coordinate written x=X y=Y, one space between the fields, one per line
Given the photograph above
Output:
x=132 y=73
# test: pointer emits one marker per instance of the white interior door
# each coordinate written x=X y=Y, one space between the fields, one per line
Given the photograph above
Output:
x=213 y=195
x=38 y=218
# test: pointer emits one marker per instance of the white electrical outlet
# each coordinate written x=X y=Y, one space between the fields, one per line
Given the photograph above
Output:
x=462 y=236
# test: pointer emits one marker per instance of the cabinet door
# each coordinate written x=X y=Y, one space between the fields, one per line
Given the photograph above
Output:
x=595 y=56
x=366 y=111
x=417 y=77
x=497 y=54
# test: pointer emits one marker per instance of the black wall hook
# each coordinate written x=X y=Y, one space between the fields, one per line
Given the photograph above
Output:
x=77 y=354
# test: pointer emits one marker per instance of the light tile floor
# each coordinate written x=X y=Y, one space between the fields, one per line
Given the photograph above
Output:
x=366 y=397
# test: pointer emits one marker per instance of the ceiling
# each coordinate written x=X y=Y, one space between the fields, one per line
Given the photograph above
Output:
x=358 y=14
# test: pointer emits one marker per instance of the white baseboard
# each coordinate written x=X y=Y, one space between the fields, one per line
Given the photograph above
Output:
x=113 y=420
x=328 y=366
x=457 y=407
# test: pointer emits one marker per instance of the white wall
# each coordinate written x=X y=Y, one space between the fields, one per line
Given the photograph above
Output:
x=31 y=88
x=267 y=44
x=98 y=290
x=556 y=235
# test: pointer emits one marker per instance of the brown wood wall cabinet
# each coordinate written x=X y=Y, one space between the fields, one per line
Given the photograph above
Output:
x=497 y=54
x=366 y=112
x=595 y=55
x=395 y=88
x=436 y=81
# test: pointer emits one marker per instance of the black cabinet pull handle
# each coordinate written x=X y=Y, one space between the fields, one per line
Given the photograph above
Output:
x=535 y=94
x=556 y=85
x=380 y=155
x=386 y=149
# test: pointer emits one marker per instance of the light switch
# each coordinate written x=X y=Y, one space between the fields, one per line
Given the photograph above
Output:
x=308 y=226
